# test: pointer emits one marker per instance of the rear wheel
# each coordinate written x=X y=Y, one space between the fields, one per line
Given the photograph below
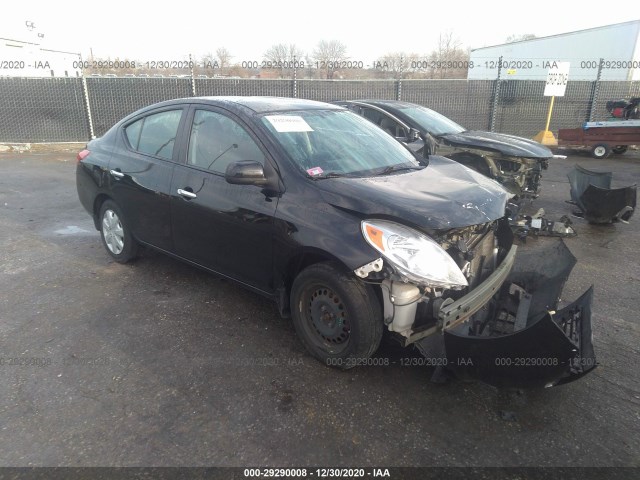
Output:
x=602 y=150
x=619 y=149
x=115 y=234
x=337 y=317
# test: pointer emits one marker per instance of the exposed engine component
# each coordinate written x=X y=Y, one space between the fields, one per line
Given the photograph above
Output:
x=479 y=251
x=507 y=312
x=520 y=176
x=537 y=224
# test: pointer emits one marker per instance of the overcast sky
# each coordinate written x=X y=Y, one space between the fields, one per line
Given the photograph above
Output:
x=172 y=30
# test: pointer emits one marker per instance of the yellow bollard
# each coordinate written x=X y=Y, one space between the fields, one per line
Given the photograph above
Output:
x=545 y=137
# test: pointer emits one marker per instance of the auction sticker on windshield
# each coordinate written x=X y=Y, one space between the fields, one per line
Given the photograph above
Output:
x=289 y=123
x=315 y=171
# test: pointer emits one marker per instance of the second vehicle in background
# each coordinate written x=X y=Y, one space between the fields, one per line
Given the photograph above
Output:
x=515 y=162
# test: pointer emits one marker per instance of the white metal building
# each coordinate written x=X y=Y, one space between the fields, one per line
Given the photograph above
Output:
x=23 y=59
x=24 y=53
x=618 y=45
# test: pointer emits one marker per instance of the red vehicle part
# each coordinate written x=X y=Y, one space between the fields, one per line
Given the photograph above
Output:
x=600 y=140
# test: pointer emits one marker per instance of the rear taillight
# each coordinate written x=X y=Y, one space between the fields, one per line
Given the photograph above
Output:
x=82 y=155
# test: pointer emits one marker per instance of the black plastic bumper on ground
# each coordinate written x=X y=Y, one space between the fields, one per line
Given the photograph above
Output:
x=607 y=205
x=554 y=350
x=591 y=191
x=529 y=342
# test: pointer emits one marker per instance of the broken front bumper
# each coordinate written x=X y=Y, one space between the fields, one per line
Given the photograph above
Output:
x=457 y=312
x=554 y=350
x=525 y=342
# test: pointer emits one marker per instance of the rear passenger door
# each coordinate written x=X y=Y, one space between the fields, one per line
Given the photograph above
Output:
x=226 y=228
x=141 y=168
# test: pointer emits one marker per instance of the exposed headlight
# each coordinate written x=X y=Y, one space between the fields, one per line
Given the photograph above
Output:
x=414 y=255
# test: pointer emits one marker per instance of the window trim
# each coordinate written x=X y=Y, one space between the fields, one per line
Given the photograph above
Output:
x=384 y=112
x=179 y=107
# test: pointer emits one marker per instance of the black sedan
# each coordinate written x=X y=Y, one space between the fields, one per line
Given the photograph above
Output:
x=515 y=162
x=344 y=227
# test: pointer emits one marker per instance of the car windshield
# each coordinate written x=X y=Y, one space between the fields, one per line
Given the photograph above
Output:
x=329 y=143
x=432 y=122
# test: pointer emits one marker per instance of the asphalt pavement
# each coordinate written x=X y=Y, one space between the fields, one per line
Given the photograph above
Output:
x=157 y=363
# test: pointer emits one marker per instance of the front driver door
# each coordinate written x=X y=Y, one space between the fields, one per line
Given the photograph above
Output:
x=226 y=228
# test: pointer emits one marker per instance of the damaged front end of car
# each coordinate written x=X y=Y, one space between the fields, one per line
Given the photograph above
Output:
x=490 y=314
x=519 y=175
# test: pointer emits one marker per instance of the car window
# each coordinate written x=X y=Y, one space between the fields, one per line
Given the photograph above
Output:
x=385 y=122
x=217 y=140
x=392 y=127
x=430 y=120
x=372 y=115
x=133 y=133
x=155 y=134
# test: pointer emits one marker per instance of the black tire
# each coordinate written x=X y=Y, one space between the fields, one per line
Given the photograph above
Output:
x=620 y=149
x=115 y=234
x=601 y=150
x=337 y=317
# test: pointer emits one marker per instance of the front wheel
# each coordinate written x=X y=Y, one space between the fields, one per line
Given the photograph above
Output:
x=337 y=317
x=116 y=237
x=602 y=150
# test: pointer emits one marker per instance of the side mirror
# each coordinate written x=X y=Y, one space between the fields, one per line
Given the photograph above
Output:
x=430 y=144
x=414 y=134
x=245 y=172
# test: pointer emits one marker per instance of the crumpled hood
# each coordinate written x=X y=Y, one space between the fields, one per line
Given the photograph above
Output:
x=443 y=195
x=499 y=142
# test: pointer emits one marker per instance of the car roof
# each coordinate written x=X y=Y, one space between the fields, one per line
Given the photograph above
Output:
x=256 y=104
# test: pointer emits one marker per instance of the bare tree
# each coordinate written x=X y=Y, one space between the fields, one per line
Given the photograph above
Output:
x=520 y=38
x=209 y=61
x=283 y=53
x=449 y=60
x=282 y=56
x=328 y=55
x=397 y=64
x=224 y=57
x=309 y=71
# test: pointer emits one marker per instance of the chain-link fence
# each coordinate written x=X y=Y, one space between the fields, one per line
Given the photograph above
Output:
x=467 y=102
x=56 y=109
x=111 y=99
x=330 y=90
x=42 y=110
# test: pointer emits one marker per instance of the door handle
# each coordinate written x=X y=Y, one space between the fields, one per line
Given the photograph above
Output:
x=186 y=193
x=116 y=173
